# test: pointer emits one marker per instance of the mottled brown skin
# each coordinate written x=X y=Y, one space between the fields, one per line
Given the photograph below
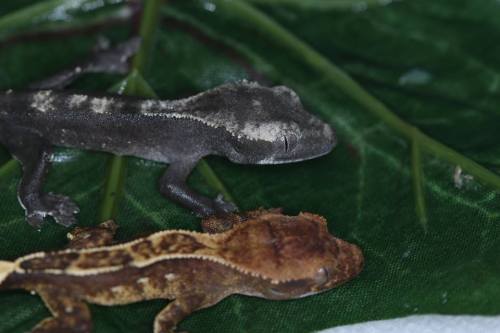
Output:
x=265 y=254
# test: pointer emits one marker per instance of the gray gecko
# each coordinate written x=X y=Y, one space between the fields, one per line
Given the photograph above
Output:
x=243 y=121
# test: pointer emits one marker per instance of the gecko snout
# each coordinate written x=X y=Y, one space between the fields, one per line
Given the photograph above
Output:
x=330 y=137
x=358 y=259
x=353 y=257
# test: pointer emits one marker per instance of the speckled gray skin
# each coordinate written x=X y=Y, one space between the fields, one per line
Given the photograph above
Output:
x=245 y=122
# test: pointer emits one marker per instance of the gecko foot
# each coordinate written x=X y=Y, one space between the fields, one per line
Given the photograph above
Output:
x=60 y=207
x=101 y=235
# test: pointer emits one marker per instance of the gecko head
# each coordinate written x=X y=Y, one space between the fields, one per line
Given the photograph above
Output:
x=296 y=256
x=271 y=126
x=343 y=264
x=324 y=261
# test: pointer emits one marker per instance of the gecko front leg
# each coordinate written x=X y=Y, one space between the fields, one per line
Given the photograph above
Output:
x=69 y=315
x=173 y=186
x=34 y=153
x=218 y=224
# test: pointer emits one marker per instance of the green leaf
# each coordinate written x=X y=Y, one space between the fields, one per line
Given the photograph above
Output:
x=352 y=5
x=413 y=91
x=55 y=14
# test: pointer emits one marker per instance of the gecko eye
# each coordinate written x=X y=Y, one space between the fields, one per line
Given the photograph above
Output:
x=290 y=142
x=322 y=276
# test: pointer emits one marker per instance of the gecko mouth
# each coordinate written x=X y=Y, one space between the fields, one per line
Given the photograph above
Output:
x=284 y=160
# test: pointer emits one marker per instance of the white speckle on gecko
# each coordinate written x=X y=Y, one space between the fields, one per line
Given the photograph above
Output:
x=169 y=276
x=148 y=105
x=101 y=105
x=77 y=100
x=143 y=280
x=267 y=131
x=117 y=289
x=42 y=101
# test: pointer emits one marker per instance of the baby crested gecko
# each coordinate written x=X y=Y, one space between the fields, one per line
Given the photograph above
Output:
x=244 y=122
x=268 y=255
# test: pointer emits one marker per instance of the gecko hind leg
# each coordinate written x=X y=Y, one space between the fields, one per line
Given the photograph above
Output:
x=168 y=318
x=69 y=315
x=34 y=155
x=173 y=186
x=84 y=238
x=111 y=61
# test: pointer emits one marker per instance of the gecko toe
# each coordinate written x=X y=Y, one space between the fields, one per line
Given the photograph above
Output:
x=61 y=203
x=61 y=208
x=64 y=220
x=223 y=206
x=35 y=219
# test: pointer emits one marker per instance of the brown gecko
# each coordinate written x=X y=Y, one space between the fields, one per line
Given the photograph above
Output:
x=266 y=254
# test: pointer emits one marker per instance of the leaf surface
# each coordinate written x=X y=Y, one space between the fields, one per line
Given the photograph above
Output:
x=433 y=64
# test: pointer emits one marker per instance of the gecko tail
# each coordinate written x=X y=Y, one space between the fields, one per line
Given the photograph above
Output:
x=6 y=267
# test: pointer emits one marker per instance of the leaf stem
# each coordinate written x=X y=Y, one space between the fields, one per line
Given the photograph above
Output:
x=147 y=32
x=446 y=153
x=213 y=180
x=7 y=167
x=113 y=187
x=117 y=164
x=418 y=182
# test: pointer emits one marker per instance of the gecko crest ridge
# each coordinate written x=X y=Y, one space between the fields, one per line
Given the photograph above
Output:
x=6 y=268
